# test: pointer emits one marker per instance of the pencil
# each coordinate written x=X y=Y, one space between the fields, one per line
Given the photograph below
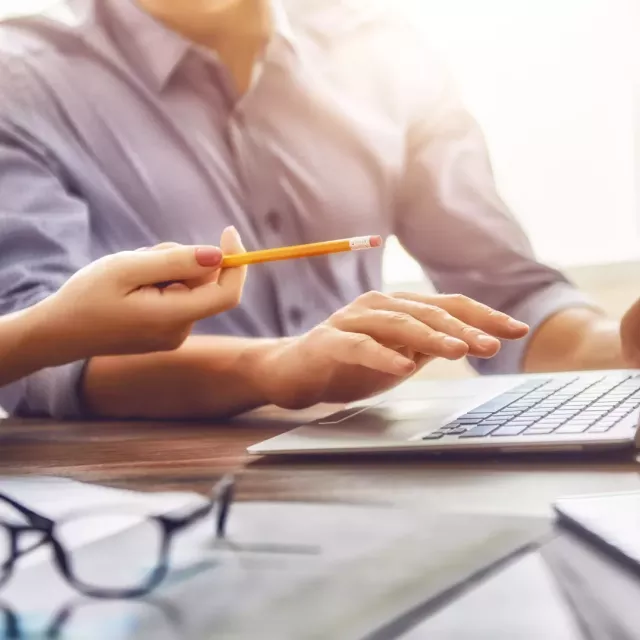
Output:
x=302 y=251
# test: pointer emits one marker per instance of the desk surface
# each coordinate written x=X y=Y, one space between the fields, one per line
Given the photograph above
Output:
x=190 y=456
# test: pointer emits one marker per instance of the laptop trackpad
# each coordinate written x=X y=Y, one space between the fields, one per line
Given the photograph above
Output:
x=392 y=418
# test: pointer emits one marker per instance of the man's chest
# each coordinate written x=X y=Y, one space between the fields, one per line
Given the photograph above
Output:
x=299 y=158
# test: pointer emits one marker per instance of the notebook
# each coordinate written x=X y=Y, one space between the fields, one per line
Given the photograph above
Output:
x=610 y=521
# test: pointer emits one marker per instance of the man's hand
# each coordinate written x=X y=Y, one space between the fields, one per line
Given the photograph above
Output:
x=630 y=336
x=375 y=343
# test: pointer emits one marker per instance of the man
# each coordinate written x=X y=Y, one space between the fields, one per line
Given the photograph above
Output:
x=144 y=120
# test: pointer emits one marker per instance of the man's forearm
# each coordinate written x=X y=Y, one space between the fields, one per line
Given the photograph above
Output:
x=578 y=339
x=207 y=377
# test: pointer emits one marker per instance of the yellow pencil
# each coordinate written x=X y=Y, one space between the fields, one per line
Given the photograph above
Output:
x=302 y=251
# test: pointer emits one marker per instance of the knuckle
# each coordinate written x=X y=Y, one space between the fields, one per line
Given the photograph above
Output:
x=323 y=331
x=373 y=297
x=340 y=317
x=434 y=311
x=469 y=332
x=360 y=342
x=459 y=298
x=165 y=245
x=399 y=318
x=114 y=261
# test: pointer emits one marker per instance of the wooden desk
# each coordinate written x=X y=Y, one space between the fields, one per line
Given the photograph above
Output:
x=190 y=456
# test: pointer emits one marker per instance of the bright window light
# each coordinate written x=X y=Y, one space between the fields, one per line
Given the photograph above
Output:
x=552 y=83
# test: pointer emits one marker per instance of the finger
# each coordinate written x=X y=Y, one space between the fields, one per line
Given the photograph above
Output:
x=231 y=281
x=136 y=269
x=480 y=343
x=396 y=328
x=164 y=245
x=362 y=350
x=210 y=298
x=474 y=313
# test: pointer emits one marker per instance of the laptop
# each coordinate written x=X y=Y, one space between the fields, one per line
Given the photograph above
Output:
x=566 y=412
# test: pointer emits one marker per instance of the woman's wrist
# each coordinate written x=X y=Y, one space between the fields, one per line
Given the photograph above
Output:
x=47 y=338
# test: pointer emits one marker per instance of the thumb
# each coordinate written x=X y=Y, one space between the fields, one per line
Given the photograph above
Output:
x=162 y=265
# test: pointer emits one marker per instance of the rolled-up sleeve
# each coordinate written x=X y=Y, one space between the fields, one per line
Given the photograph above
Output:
x=452 y=220
x=43 y=241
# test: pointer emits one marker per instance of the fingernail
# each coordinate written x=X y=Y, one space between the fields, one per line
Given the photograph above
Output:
x=453 y=343
x=516 y=325
x=485 y=341
x=404 y=364
x=208 y=256
x=143 y=249
x=231 y=228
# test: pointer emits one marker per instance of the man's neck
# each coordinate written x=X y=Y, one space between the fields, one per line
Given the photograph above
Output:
x=237 y=30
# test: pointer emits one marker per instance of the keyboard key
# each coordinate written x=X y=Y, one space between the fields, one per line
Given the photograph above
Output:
x=510 y=430
x=473 y=414
x=599 y=428
x=572 y=428
x=498 y=403
x=538 y=432
x=549 y=423
x=480 y=431
x=436 y=435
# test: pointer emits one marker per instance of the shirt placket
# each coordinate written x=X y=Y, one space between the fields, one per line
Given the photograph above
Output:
x=271 y=217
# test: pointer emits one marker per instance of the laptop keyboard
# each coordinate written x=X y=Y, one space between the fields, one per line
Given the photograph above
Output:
x=548 y=406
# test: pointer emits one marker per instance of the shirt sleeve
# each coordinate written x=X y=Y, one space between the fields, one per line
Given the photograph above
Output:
x=452 y=220
x=43 y=241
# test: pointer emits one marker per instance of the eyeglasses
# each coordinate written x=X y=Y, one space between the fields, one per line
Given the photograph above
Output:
x=98 y=619
x=99 y=575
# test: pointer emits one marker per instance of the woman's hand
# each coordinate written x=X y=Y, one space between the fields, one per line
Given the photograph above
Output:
x=141 y=301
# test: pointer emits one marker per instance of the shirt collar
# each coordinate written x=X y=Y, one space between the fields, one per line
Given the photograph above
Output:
x=144 y=40
x=149 y=44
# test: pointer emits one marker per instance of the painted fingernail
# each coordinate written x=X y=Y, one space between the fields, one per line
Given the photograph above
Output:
x=208 y=256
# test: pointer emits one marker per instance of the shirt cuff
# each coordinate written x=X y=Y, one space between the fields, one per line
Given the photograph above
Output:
x=534 y=310
x=54 y=393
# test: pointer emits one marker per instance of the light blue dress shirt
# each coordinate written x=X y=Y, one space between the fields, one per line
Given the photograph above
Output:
x=117 y=133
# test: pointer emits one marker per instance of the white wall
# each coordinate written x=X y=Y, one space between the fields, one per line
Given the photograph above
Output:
x=552 y=83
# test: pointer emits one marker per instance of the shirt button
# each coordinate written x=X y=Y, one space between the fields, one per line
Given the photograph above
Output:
x=274 y=221
x=296 y=315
